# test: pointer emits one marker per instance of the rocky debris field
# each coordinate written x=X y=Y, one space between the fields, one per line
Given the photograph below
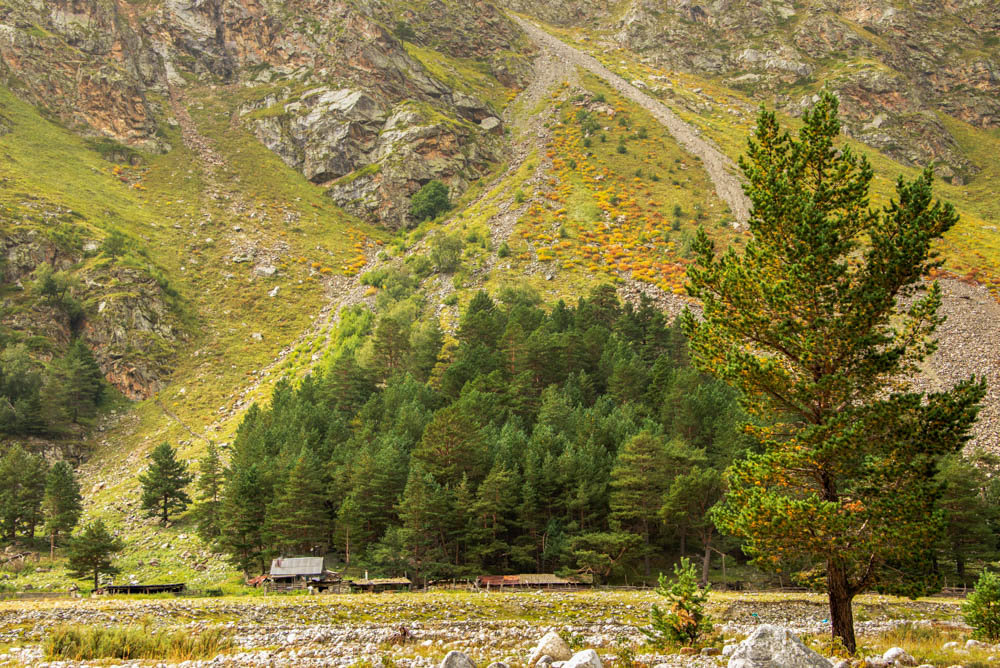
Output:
x=420 y=629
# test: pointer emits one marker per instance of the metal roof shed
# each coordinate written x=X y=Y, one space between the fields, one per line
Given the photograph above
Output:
x=297 y=567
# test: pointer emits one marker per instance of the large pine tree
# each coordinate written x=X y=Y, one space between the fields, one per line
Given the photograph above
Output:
x=62 y=504
x=91 y=551
x=209 y=485
x=164 y=482
x=817 y=322
x=297 y=522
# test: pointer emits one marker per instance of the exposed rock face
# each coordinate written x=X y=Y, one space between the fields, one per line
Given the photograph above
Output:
x=893 y=69
x=127 y=321
x=333 y=78
x=82 y=61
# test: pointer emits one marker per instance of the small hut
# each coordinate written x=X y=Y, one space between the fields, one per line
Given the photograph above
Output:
x=291 y=574
x=376 y=585
x=529 y=581
x=174 y=588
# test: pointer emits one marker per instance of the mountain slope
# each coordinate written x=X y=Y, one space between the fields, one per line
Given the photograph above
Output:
x=253 y=157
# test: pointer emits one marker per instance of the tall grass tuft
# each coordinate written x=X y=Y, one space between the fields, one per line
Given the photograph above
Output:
x=84 y=643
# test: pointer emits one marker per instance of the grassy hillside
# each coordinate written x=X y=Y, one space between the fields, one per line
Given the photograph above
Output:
x=604 y=194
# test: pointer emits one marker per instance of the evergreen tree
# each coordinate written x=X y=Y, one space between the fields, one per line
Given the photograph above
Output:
x=297 y=522
x=62 y=505
x=452 y=446
x=22 y=488
x=90 y=552
x=20 y=392
x=968 y=513
x=423 y=510
x=492 y=512
x=209 y=487
x=244 y=503
x=164 y=482
x=806 y=322
x=639 y=481
x=81 y=382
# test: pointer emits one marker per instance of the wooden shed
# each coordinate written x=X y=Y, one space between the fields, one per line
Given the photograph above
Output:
x=376 y=585
x=296 y=573
x=529 y=581
x=174 y=588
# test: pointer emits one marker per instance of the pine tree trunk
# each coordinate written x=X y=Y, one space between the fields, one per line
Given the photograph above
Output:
x=705 y=563
x=96 y=571
x=52 y=546
x=841 y=613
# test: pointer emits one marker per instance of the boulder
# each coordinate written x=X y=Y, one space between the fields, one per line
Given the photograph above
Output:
x=550 y=645
x=772 y=646
x=586 y=659
x=456 y=659
x=897 y=656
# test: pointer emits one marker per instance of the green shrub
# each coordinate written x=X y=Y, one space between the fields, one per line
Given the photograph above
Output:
x=504 y=250
x=115 y=244
x=446 y=252
x=86 y=643
x=430 y=201
x=519 y=196
x=685 y=620
x=982 y=608
x=621 y=147
x=404 y=32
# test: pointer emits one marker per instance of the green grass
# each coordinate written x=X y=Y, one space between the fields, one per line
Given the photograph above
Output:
x=86 y=643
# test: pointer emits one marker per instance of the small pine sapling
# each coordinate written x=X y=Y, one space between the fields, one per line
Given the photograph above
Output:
x=981 y=609
x=685 y=621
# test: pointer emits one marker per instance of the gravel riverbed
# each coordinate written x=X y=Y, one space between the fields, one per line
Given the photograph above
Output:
x=369 y=629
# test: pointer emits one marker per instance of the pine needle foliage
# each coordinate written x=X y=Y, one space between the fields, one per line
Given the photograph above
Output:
x=981 y=609
x=164 y=482
x=818 y=323
x=684 y=622
x=91 y=552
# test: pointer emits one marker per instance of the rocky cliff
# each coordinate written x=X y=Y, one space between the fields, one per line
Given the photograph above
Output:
x=124 y=314
x=333 y=88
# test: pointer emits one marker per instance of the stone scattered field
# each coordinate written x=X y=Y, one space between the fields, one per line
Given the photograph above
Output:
x=419 y=629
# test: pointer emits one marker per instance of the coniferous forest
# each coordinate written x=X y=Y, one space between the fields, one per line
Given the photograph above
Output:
x=578 y=438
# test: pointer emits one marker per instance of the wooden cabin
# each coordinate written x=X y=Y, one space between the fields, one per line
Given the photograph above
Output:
x=297 y=573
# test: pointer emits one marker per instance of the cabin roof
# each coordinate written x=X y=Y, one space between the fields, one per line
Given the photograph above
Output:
x=381 y=581
x=284 y=567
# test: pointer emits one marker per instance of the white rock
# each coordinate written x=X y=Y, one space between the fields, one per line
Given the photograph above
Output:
x=771 y=645
x=971 y=643
x=456 y=659
x=586 y=659
x=950 y=645
x=899 y=656
x=550 y=645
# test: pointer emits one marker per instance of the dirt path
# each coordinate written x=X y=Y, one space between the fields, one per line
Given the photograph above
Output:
x=719 y=167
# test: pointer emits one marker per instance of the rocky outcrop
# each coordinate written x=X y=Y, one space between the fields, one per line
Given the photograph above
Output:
x=333 y=78
x=373 y=158
x=127 y=320
x=82 y=61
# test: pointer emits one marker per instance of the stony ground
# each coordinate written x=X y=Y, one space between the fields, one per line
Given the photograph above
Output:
x=342 y=630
